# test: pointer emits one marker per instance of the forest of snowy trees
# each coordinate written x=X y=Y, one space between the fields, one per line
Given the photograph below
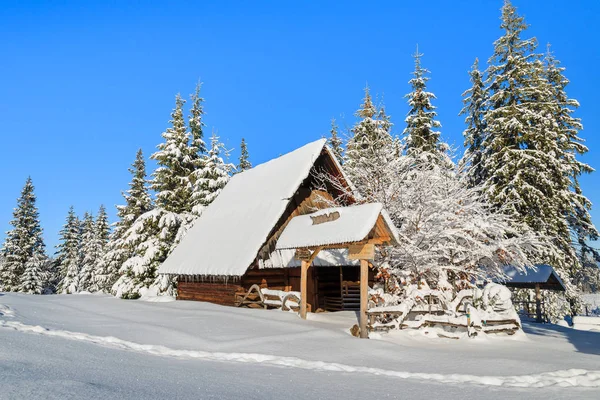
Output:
x=513 y=196
x=157 y=211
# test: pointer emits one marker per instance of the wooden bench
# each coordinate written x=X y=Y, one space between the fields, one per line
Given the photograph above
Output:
x=257 y=297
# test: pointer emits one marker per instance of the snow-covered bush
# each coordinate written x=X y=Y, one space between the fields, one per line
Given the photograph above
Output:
x=449 y=236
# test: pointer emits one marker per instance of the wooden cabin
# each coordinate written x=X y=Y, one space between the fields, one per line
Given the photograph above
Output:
x=232 y=245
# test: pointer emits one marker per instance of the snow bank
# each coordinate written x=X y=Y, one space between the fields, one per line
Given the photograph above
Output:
x=562 y=378
x=6 y=311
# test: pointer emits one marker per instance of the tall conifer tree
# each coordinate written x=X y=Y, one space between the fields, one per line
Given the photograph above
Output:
x=172 y=177
x=68 y=256
x=474 y=109
x=137 y=203
x=214 y=174
x=369 y=149
x=335 y=142
x=90 y=253
x=244 y=162
x=529 y=159
x=421 y=134
x=23 y=241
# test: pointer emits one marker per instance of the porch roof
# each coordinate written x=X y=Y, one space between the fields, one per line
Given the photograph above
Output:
x=339 y=226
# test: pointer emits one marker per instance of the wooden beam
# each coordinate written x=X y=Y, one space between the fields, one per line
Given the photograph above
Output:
x=380 y=240
x=361 y=251
x=538 y=303
x=316 y=251
x=364 y=291
x=303 y=279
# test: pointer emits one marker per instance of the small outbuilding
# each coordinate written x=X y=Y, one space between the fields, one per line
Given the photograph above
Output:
x=539 y=277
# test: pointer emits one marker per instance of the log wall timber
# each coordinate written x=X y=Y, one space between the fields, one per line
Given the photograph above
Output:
x=322 y=282
x=212 y=292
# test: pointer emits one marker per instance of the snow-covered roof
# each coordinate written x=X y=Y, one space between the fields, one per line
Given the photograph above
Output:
x=333 y=226
x=226 y=238
x=540 y=274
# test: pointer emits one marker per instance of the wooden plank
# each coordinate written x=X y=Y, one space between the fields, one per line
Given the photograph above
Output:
x=364 y=290
x=361 y=252
x=538 y=303
x=212 y=292
x=303 y=254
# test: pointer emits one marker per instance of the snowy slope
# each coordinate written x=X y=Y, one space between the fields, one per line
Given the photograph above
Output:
x=190 y=332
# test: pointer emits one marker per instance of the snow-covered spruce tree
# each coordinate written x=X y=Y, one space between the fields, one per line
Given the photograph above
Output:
x=23 y=241
x=175 y=164
x=198 y=147
x=102 y=227
x=35 y=277
x=137 y=203
x=197 y=150
x=155 y=233
x=101 y=246
x=92 y=246
x=474 y=109
x=244 y=161
x=68 y=256
x=335 y=142
x=370 y=148
x=528 y=167
x=137 y=197
x=214 y=174
x=422 y=138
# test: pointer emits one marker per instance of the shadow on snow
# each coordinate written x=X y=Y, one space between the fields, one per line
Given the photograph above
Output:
x=583 y=341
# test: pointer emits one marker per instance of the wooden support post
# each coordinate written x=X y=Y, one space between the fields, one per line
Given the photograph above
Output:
x=538 y=303
x=364 y=291
x=303 y=281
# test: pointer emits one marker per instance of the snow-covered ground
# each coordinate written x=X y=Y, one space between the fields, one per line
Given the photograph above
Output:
x=102 y=347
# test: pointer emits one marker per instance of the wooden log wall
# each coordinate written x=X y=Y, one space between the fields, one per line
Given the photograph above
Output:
x=322 y=282
x=212 y=292
x=273 y=278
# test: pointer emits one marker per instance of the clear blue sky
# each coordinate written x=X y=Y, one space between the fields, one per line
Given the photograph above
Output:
x=83 y=85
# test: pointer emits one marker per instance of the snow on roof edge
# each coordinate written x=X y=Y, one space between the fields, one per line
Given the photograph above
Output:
x=303 y=232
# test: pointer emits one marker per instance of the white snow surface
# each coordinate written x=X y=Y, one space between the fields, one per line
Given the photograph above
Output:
x=353 y=225
x=228 y=235
x=549 y=362
x=586 y=323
